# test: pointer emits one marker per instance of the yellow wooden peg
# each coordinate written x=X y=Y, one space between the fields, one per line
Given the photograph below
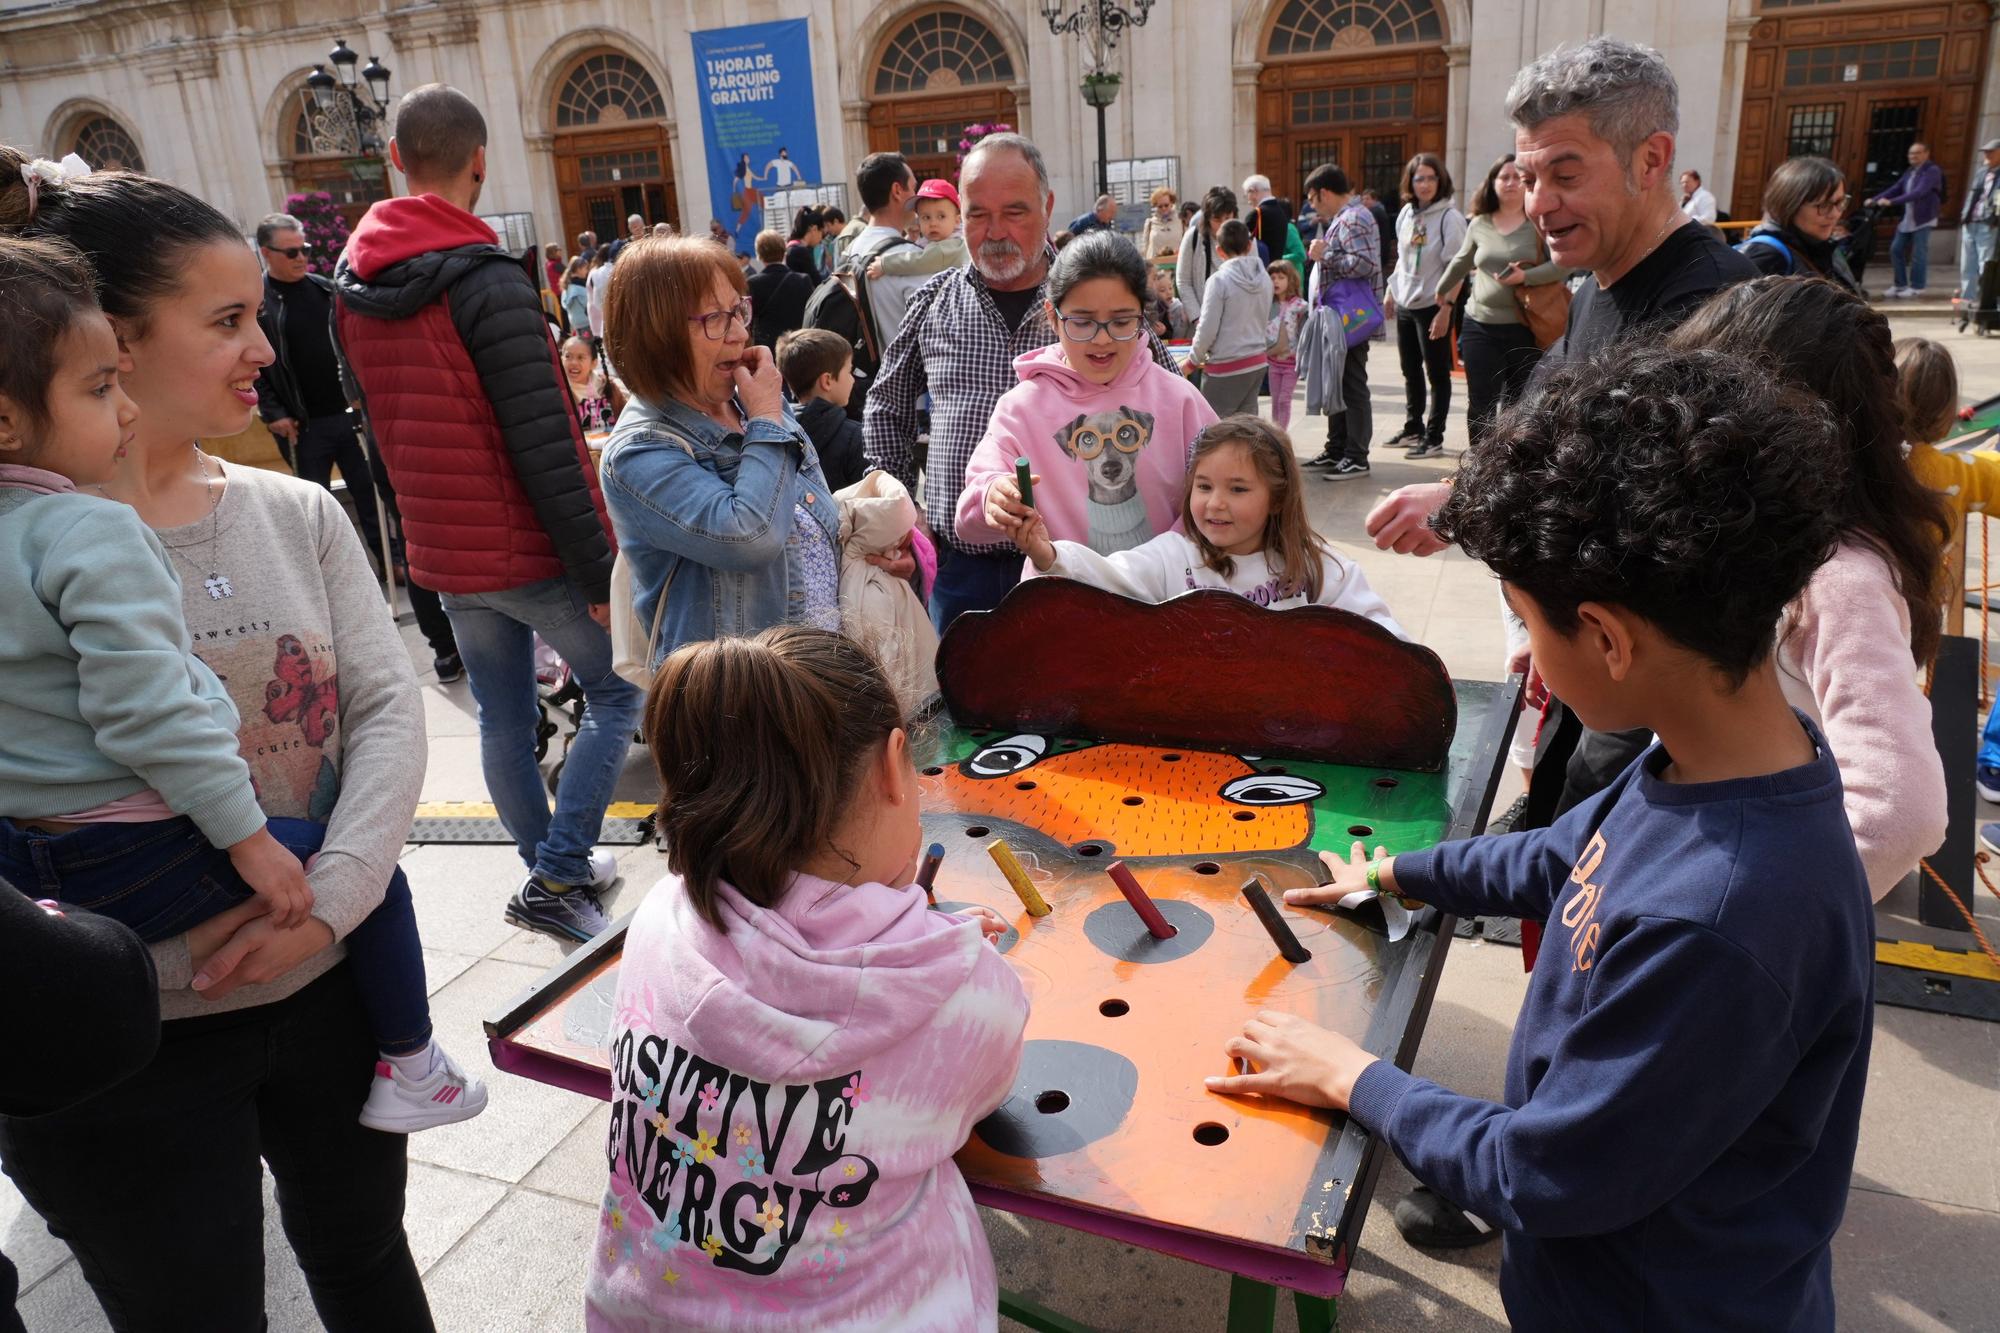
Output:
x=1017 y=877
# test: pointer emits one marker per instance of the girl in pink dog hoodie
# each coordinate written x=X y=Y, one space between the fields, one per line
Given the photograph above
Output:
x=1107 y=432
x=800 y=1045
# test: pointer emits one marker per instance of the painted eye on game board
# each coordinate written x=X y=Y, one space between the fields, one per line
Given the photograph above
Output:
x=1272 y=789
x=1009 y=756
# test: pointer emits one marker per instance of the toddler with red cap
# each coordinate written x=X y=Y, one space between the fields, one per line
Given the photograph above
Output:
x=943 y=247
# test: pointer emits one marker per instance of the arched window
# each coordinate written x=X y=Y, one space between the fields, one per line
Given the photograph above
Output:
x=939 y=51
x=607 y=88
x=1314 y=27
x=107 y=146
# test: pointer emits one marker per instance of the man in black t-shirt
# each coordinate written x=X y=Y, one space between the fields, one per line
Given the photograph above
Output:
x=1594 y=128
x=299 y=394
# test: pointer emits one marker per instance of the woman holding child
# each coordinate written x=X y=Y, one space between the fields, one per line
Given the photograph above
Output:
x=275 y=1059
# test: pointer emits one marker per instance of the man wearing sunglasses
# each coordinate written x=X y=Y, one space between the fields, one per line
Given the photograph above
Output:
x=299 y=394
x=444 y=332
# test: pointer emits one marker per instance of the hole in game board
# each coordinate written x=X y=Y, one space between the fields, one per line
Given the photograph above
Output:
x=1243 y=816
x=1277 y=768
x=1359 y=830
x=1207 y=868
x=932 y=772
x=1052 y=1102
x=1210 y=1134
x=1089 y=849
x=1114 y=1008
x=1385 y=783
x=1106 y=1083
x=1133 y=800
x=976 y=830
x=1170 y=759
x=1024 y=786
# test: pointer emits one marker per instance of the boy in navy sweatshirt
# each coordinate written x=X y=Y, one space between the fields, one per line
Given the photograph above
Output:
x=1684 y=1088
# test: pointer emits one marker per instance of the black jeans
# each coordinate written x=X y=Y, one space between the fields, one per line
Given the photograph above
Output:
x=431 y=619
x=1347 y=432
x=1423 y=357
x=155 y=1184
x=1498 y=358
x=331 y=441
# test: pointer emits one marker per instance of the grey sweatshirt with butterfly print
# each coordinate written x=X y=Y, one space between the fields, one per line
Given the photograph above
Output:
x=332 y=725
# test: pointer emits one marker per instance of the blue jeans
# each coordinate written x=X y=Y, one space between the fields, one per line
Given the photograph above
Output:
x=495 y=632
x=970 y=583
x=1910 y=253
x=1975 y=251
x=163 y=878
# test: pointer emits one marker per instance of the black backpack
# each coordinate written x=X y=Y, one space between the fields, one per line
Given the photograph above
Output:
x=840 y=305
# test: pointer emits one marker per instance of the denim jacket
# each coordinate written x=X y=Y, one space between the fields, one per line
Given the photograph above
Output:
x=712 y=509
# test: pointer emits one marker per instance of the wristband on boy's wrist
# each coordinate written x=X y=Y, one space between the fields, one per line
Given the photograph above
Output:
x=1375 y=874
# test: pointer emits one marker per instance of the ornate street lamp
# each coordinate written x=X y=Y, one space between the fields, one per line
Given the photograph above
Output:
x=1099 y=23
x=340 y=118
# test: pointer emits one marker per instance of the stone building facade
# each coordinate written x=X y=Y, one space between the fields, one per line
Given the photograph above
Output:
x=593 y=105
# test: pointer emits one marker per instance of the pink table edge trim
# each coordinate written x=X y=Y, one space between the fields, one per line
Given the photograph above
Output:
x=1294 y=1272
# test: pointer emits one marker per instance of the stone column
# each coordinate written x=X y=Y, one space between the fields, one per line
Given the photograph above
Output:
x=1243 y=114
x=1729 y=115
x=1457 y=112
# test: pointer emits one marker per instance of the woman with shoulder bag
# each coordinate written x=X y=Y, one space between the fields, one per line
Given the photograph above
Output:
x=1429 y=231
x=1504 y=256
x=721 y=509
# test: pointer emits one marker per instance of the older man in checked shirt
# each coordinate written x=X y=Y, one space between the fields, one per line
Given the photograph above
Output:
x=959 y=338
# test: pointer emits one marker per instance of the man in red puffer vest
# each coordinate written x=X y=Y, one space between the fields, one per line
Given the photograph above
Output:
x=444 y=332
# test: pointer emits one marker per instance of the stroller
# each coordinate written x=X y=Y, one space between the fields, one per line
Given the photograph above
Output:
x=1858 y=244
x=559 y=696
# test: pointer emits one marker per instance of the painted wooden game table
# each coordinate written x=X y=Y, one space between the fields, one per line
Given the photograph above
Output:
x=1200 y=743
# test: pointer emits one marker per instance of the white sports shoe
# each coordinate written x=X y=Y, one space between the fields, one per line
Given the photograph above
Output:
x=395 y=1106
x=603 y=869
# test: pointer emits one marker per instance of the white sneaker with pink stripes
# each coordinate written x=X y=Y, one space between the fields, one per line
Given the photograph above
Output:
x=397 y=1105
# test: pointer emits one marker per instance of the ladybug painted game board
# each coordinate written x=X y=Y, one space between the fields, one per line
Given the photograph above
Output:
x=1051 y=745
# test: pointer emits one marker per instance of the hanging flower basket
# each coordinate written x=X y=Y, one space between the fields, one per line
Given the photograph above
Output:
x=1100 y=88
x=974 y=133
x=325 y=227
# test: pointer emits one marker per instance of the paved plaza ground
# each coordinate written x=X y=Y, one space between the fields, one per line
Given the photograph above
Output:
x=502 y=1208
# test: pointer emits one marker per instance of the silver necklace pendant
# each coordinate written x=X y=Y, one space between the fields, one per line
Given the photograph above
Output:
x=218 y=587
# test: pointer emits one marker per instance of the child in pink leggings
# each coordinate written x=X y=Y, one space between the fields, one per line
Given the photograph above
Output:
x=1287 y=318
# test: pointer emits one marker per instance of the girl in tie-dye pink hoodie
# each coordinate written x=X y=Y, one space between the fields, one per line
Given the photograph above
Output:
x=799 y=1047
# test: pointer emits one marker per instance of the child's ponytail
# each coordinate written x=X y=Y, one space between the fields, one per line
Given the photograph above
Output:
x=760 y=744
x=1927 y=382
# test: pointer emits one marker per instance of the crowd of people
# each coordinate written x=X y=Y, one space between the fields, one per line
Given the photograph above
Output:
x=808 y=472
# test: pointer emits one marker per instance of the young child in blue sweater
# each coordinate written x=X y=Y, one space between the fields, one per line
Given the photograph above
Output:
x=122 y=789
x=1684 y=1089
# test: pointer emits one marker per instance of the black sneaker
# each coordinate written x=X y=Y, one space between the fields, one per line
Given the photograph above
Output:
x=1430 y=1221
x=569 y=913
x=1408 y=436
x=1346 y=470
x=449 y=669
x=1425 y=449
x=1322 y=460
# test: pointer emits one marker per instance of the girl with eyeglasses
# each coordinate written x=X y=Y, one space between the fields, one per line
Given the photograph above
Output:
x=1243 y=530
x=1108 y=433
x=1803 y=203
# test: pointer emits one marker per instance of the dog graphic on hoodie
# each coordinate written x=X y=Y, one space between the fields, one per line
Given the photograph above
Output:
x=1108 y=445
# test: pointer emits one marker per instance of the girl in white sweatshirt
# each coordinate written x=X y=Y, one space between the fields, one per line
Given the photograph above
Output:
x=1243 y=528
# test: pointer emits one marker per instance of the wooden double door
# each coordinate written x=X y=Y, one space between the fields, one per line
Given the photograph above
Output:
x=606 y=176
x=1859 y=86
x=927 y=130
x=1367 y=115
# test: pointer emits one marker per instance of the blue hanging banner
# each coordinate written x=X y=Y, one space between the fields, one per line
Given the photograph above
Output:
x=757 y=118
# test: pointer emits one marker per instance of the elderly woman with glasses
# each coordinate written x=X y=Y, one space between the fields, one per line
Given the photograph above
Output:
x=1803 y=204
x=714 y=489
